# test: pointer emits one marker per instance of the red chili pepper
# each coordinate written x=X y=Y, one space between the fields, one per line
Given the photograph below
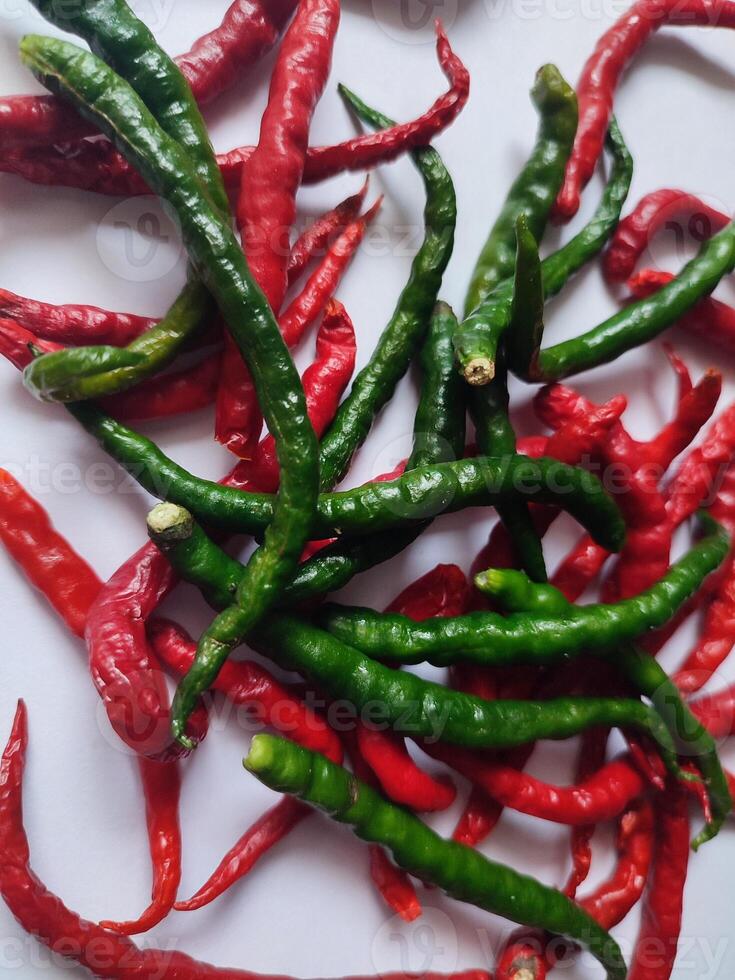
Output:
x=105 y=954
x=716 y=712
x=175 y=393
x=73 y=324
x=248 y=31
x=697 y=480
x=55 y=569
x=161 y=791
x=255 y=843
x=658 y=939
x=444 y=591
x=267 y=201
x=603 y=796
x=603 y=70
x=72 y=587
x=522 y=959
x=319 y=236
x=394 y=885
x=238 y=412
x=248 y=684
x=612 y=901
x=324 y=384
x=94 y=166
x=710 y=319
x=652 y=213
x=592 y=752
x=237 y=408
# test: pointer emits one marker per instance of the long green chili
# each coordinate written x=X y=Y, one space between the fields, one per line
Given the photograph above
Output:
x=460 y=871
x=106 y=99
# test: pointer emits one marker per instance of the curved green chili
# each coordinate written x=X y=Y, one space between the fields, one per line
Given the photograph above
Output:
x=375 y=384
x=640 y=321
x=106 y=99
x=534 y=191
x=416 y=496
x=535 y=638
x=491 y=318
x=117 y=36
x=421 y=709
x=517 y=593
x=460 y=871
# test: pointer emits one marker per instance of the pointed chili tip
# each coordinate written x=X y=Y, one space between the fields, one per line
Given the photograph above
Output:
x=372 y=211
x=479 y=371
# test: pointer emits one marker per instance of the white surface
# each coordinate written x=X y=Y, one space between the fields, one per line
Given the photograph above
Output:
x=309 y=908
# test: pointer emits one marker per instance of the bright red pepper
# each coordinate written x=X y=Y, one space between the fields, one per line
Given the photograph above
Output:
x=324 y=384
x=314 y=241
x=652 y=213
x=658 y=939
x=238 y=412
x=73 y=324
x=96 y=167
x=603 y=70
x=592 y=752
x=105 y=954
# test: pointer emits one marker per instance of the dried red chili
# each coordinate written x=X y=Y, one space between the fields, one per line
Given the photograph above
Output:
x=104 y=953
x=248 y=30
x=315 y=240
x=55 y=569
x=73 y=324
x=96 y=167
x=653 y=212
x=324 y=384
x=658 y=939
x=603 y=70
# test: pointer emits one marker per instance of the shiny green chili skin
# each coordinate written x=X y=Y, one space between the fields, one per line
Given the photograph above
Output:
x=83 y=373
x=534 y=191
x=416 y=496
x=106 y=99
x=640 y=321
x=421 y=709
x=117 y=36
x=460 y=871
x=515 y=591
x=398 y=344
x=491 y=318
x=528 y=638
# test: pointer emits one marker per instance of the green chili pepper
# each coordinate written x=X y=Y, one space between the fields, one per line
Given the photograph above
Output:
x=416 y=496
x=399 y=342
x=82 y=373
x=460 y=871
x=641 y=321
x=106 y=99
x=517 y=593
x=422 y=709
x=526 y=325
x=534 y=191
x=117 y=36
x=492 y=317
x=538 y=638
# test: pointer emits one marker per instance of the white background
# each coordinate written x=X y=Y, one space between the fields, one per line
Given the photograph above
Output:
x=309 y=909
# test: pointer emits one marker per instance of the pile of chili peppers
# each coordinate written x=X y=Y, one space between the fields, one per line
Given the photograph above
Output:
x=527 y=662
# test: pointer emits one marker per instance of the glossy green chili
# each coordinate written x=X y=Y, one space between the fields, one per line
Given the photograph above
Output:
x=460 y=871
x=534 y=638
x=422 y=709
x=117 y=36
x=534 y=191
x=402 y=337
x=640 y=321
x=491 y=318
x=106 y=99
x=517 y=593
x=416 y=496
